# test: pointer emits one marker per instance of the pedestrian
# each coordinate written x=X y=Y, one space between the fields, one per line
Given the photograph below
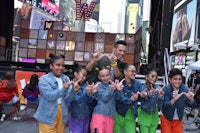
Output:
x=9 y=94
x=31 y=90
x=148 y=116
x=127 y=104
x=56 y=91
x=115 y=61
x=106 y=93
x=80 y=106
x=176 y=97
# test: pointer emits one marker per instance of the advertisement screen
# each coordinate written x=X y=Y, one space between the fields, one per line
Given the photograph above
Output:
x=183 y=25
x=51 y=5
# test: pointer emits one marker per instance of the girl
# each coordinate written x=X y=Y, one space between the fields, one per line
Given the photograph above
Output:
x=31 y=90
x=104 y=112
x=176 y=97
x=9 y=94
x=127 y=105
x=148 y=116
x=55 y=93
x=80 y=110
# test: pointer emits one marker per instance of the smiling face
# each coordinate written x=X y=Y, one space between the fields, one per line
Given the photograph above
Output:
x=130 y=72
x=81 y=75
x=151 y=78
x=104 y=75
x=176 y=81
x=120 y=51
x=57 y=67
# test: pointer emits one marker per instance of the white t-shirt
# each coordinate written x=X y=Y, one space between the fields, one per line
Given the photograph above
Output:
x=60 y=86
x=175 y=112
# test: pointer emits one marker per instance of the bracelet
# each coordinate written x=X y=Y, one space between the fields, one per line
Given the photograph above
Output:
x=114 y=64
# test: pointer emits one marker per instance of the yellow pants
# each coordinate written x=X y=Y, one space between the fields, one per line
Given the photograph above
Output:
x=57 y=127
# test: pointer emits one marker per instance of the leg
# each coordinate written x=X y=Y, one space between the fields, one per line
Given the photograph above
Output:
x=75 y=125
x=177 y=126
x=144 y=129
x=97 y=124
x=119 y=120
x=152 y=128
x=129 y=122
x=165 y=125
x=60 y=126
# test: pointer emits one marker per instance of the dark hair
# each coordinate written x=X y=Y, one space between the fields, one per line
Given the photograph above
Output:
x=77 y=68
x=10 y=77
x=55 y=57
x=98 y=69
x=33 y=82
x=122 y=42
x=125 y=66
x=174 y=71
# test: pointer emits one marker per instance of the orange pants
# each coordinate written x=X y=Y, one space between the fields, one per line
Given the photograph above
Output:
x=57 y=127
x=175 y=126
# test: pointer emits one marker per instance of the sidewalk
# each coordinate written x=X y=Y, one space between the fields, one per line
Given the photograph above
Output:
x=28 y=124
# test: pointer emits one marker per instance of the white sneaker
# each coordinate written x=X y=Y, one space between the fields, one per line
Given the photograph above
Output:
x=3 y=117
x=15 y=118
x=23 y=107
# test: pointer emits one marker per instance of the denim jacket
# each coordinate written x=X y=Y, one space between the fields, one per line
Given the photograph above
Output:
x=124 y=102
x=49 y=93
x=149 y=103
x=80 y=105
x=168 y=109
x=105 y=100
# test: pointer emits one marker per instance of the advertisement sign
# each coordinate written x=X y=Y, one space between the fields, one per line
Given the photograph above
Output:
x=183 y=25
x=52 y=5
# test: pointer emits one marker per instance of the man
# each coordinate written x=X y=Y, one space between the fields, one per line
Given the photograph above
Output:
x=115 y=60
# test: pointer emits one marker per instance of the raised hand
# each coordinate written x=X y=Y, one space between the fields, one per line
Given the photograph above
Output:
x=89 y=87
x=176 y=96
x=119 y=85
x=143 y=94
x=113 y=57
x=67 y=84
x=95 y=88
x=134 y=97
x=190 y=95
x=76 y=85
x=161 y=92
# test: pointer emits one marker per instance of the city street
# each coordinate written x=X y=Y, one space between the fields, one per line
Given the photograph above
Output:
x=28 y=125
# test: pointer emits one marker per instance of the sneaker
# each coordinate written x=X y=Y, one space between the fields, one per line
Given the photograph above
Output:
x=3 y=117
x=23 y=107
x=16 y=118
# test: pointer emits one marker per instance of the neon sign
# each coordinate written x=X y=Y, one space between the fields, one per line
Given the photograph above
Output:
x=84 y=12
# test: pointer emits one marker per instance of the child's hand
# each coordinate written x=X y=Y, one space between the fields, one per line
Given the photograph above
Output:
x=95 y=88
x=89 y=87
x=76 y=85
x=134 y=97
x=119 y=85
x=176 y=96
x=143 y=94
x=190 y=96
x=161 y=92
x=67 y=84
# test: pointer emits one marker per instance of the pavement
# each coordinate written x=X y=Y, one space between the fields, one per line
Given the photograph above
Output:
x=28 y=124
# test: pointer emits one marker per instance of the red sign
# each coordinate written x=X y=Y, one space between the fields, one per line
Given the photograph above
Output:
x=50 y=6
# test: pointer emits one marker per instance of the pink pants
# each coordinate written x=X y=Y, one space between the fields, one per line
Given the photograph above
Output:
x=104 y=124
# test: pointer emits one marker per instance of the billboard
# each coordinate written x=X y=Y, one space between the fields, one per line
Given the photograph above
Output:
x=183 y=25
x=51 y=5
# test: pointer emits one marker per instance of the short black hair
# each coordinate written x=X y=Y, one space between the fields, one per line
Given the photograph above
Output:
x=175 y=71
x=55 y=57
x=122 y=42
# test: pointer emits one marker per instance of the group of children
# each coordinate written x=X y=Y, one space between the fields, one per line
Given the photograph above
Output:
x=108 y=106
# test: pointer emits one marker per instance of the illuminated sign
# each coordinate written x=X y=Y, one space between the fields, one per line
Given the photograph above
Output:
x=84 y=12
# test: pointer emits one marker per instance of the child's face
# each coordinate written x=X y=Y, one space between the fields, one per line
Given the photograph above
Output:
x=104 y=75
x=176 y=81
x=57 y=67
x=152 y=77
x=130 y=72
x=81 y=75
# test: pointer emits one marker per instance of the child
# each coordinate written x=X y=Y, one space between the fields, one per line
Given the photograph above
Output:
x=80 y=110
x=127 y=105
x=148 y=116
x=31 y=90
x=176 y=97
x=104 y=112
x=9 y=94
x=55 y=93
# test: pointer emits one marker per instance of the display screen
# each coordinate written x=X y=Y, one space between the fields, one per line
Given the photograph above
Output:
x=183 y=25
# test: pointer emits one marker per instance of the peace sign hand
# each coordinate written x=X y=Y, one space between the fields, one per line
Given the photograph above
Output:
x=76 y=85
x=89 y=87
x=119 y=85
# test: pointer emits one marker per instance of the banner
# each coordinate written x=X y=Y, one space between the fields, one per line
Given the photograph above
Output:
x=22 y=78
